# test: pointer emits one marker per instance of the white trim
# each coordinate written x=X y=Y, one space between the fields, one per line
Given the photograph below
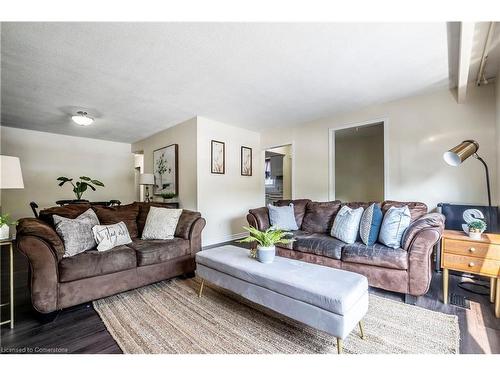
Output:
x=292 y=143
x=331 y=154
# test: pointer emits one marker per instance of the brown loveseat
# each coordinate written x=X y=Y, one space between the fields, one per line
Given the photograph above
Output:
x=58 y=282
x=405 y=270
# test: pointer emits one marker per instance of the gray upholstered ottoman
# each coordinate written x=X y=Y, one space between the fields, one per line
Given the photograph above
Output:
x=331 y=300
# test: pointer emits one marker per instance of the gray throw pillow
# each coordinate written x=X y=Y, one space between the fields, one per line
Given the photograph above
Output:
x=282 y=217
x=110 y=236
x=76 y=233
x=346 y=224
x=396 y=221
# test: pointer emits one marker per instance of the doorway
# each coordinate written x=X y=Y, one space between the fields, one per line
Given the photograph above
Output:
x=359 y=162
x=278 y=173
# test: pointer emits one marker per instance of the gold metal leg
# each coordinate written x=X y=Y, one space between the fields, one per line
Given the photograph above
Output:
x=11 y=286
x=339 y=346
x=445 y=286
x=361 y=330
x=493 y=284
x=497 y=299
x=201 y=288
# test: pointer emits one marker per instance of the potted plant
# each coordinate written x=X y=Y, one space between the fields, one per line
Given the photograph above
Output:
x=476 y=228
x=5 y=221
x=80 y=186
x=266 y=241
x=168 y=197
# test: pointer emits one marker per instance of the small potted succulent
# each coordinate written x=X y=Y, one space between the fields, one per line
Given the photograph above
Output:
x=266 y=241
x=476 y=228
x=169 y=197
x=5 y=221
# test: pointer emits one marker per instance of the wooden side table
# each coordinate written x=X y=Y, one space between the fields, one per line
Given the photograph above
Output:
x=10 y=242
x=481 y=257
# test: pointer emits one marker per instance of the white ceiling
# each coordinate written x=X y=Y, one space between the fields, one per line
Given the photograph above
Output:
x=140 y=78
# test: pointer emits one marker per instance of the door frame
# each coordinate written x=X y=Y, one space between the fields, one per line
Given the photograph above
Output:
x=292 y=144
x=331 y=153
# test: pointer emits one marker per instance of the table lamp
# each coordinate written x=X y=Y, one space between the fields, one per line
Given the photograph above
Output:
x=11 y=177
x=147 y=179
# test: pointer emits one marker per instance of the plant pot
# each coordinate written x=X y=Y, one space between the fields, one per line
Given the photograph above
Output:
x=475 y=235
x=4 y=232
x=266 y=254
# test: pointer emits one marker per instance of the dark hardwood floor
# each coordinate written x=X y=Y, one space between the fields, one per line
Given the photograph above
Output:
x=80 y=330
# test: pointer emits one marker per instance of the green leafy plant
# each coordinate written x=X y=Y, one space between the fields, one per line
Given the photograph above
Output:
x=168 y=195
x=267 y=238
x=80 y=186
x=6 y=220
x=477 y=226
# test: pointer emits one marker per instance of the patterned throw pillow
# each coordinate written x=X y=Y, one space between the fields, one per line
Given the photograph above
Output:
x=76 y=233
x=161 y=223
x=396 y=221
x=109 y=236
x=346 y=224
x=371 y=221
x=282 y=217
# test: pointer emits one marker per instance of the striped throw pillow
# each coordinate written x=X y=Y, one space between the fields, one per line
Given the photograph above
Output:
x=346 y=224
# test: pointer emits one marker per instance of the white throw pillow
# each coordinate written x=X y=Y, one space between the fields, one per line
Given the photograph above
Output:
x=346 y=224
x=110 y=236
x=282 y=217
x=161 y=223
x=396 y=221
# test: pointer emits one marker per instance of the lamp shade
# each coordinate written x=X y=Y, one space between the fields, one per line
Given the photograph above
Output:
x=146 y=179
x=459 y=153
x=10 y=175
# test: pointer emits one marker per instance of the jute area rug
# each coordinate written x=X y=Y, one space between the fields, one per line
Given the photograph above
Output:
x=169 y=317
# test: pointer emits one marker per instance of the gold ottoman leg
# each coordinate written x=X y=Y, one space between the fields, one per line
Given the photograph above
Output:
x=493 y=283
x=201 y=288
x=361 y=330
x=339 y=346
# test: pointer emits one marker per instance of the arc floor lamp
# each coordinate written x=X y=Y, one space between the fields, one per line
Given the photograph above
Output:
x=458 y=154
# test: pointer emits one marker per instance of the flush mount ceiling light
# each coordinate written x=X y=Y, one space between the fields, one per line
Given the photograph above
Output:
x=82 y=119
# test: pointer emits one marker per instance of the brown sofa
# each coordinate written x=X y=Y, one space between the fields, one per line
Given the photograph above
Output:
x=405 y=270
x=58 y=282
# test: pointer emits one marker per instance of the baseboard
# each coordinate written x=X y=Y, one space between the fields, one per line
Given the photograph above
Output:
x=226 y=240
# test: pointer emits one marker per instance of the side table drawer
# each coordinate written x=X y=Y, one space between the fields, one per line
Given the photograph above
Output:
x=474 y=249
x=486 y=267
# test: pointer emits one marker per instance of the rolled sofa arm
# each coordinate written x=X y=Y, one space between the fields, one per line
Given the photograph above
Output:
x=44 y=275
x=259 y=218
x=419 y=241
x=195 y=235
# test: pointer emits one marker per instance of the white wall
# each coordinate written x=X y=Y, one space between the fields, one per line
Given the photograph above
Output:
x=420 y=129
x=183 y=134
x=46 y=156
x=224 y=200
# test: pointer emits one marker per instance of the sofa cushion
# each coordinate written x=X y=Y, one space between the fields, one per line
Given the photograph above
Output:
x=375 y=255
x=161 y=223
x=316 y=243
x=370 y=224
x=70 y=211
x=417 y=209
x=319 y=216
x=394 y=224
x=95 y=263
x=76 y=233
x=299 y=208
x=157 y=251
x=112 y=215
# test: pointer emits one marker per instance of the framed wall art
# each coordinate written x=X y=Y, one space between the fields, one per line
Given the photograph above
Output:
x=165 y=164
x=246 y=161
x=218 y=157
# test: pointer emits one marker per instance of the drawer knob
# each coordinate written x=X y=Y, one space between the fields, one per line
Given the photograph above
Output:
x=471 y=250
x=472 y=264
